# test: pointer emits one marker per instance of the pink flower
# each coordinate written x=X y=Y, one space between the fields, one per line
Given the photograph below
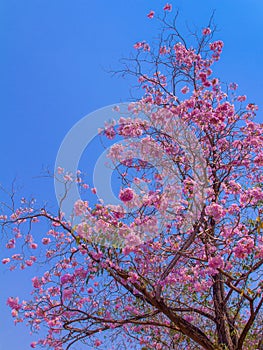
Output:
x=206 y=31
x=215 y=81
x=232 y=86
x=67 y=294
x=33 y=344
x=97 y=342
x=60 y=170
x=167 y=7
x=14 y=313
x=5 y=261
x=13 y=303
x=110 y=132
x=185 y=90
x=217 y=46
x=216 y=262
x=252 y=107
x=126 y=195
x=163 y=50
x=132 y=240
x=259 y=159
x=158 y=100
x=33 y=246
x=138 y=45
x=233 y=209
x=29 y=262
x=66 y=278
x=83 y=230
x=10 y=244
x=80 y=207
x=16 y=257
x=150 y=14
x=203 y=76
x=146 y=47
x=81 y=273
x=67 y=177
x=245 y=246
x=216 y=211
x=46 y=240
x=133 y=277
x=36 y=283
x=90 y=290
x=142 y=45
x=242 y=98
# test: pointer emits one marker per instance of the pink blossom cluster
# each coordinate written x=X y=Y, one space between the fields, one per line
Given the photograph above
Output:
x=129 y=128
x=126 y=195
x=216 y=47
x=206 y=31
x=244 y=247
x=80 y=207
x=185 y=57
x=216 y=211
x=142 y=45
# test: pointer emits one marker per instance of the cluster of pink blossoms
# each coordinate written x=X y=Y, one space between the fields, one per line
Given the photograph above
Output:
x=126 y=195
x=216 y=211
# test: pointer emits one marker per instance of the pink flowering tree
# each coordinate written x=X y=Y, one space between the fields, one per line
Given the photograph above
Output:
x=178 y=264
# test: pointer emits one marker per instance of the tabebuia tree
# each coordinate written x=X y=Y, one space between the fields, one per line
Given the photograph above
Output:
x=178 y=263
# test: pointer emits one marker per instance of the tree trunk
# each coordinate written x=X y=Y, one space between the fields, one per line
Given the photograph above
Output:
x=222 y=326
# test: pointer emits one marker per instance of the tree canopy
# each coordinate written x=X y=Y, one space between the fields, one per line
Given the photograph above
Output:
x=178 y=263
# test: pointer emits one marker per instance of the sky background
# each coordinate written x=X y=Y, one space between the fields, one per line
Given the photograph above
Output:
x=54 y=61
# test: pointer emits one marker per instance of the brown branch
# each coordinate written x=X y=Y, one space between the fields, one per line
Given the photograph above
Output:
x=177 y=256
x=248 y=325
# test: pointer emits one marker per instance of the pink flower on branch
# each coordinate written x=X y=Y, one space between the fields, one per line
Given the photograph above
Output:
x=142 y=45
x=36 y=282
x=11 y=244
x=167 y=7
x=13 y=303
x=151 y=14
x=60 y=170
x=242 y=98
x=46 y=240
x=185 y=90
x=206 y=31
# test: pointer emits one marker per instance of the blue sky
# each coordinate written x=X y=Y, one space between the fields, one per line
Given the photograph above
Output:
x=53 y=64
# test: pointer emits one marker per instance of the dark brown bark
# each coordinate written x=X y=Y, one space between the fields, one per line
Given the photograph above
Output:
x=186 y=327
x=222 y=326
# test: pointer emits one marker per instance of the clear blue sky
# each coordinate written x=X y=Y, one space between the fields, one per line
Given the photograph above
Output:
x=54 y=57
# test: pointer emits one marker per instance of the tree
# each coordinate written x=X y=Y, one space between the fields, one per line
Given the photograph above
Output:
x=178 y=265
